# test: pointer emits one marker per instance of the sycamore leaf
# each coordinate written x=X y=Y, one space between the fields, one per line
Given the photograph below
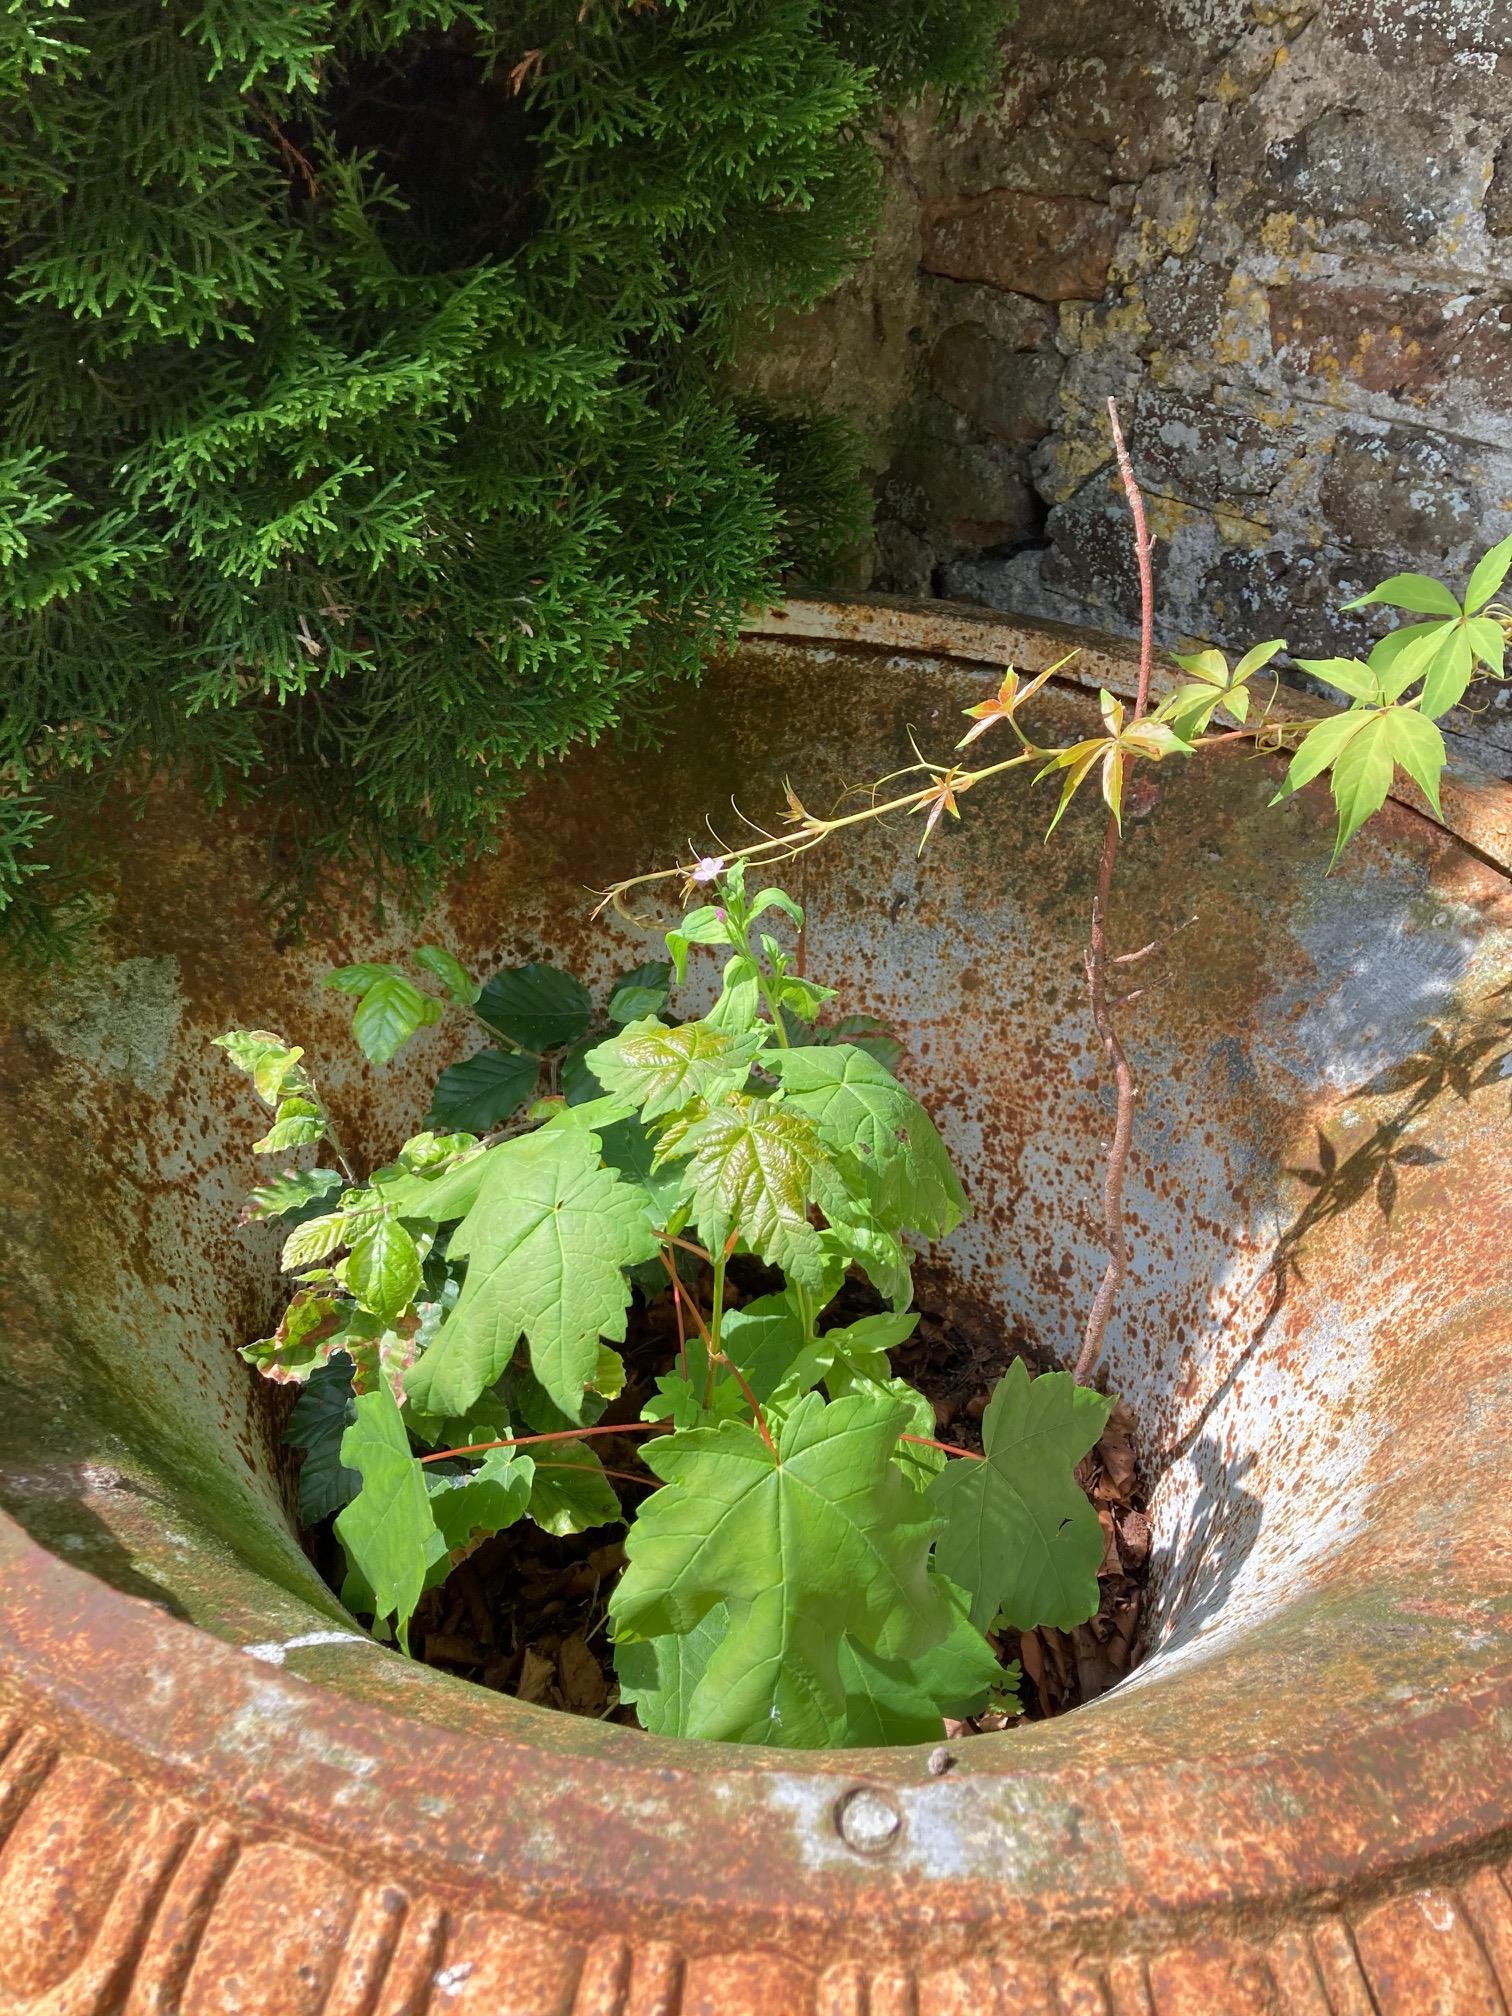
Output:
x=680 y=1399
x=664 y=1069
x=764 y=1339
x=388 y=1531
x=1020 y=1534
x=546 y=1241
x=830 y=1539
x=536 y=1006
x=569 y=1492
x=450 y=971
x=859 y=1107
x=890 y=1701
x=383 y=1270
x=482 y=1092
x=1418 y=592
x=471 y=1505
x=630 y=1150
x=754 y=1166
x=867 y=1033
x=295 y=1190
x=854 y=1241
x=1490 y=572
x=657 y=1676
x=438 y=1198
x=322 y=1414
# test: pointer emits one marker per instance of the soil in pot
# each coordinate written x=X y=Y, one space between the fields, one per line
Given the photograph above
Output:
x=526 y=1613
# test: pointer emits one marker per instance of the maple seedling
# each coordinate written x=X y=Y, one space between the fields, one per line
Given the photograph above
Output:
x=811 y=1567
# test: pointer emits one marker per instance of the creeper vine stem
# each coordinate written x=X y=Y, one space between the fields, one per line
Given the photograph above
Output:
x=1096 y=956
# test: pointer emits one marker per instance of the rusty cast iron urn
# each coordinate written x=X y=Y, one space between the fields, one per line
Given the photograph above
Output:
x=219 y=1797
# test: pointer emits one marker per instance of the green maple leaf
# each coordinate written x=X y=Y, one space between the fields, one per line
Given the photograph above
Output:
x=663 y=1069
x=1020 y=1535
x=470 y=1505
x=891 y=1701
x=754 y=1166
x=658 y=1676
x=570 y=1492
x=545 y=1240
x=826 y=1539
x=858 y=1106
x=388 y=1530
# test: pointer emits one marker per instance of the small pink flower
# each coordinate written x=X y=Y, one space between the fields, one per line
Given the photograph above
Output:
x=709 y=869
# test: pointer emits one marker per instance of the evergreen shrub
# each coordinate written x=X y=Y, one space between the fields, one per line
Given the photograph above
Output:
x=364 y=428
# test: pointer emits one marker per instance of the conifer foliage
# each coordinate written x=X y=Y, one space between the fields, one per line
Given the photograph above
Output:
x=362 y=431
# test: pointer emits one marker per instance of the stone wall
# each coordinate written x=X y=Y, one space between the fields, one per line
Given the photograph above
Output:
x=1281 y=232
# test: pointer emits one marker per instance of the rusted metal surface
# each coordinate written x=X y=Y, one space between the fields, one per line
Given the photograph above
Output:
x=214 y=1788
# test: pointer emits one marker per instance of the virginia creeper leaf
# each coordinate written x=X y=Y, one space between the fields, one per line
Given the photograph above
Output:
x=1490 y=572
x=1419 y=747
x=1361 y=774
x=1020 y=1535
x=1448 y=674
x=545 y=1242
x=1418 y=592
x=1488 y=641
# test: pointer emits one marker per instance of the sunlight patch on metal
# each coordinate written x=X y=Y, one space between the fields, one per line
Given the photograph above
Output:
x=208 y=1791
